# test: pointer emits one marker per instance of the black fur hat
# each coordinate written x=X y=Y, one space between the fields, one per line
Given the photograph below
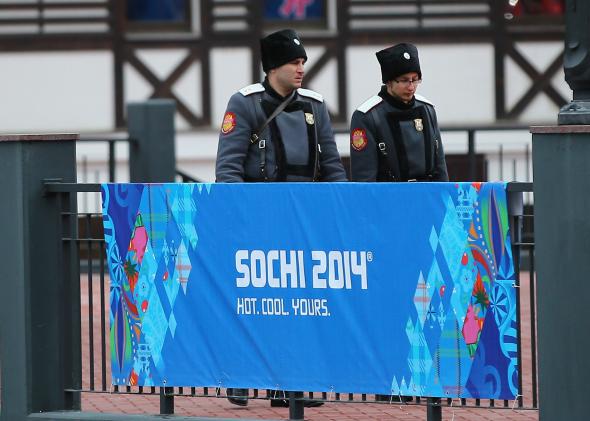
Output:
x=398 y=60
x=280 y=48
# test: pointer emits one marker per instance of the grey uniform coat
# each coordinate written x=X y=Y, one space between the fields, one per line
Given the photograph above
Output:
x=298 y=144
x=394 y=141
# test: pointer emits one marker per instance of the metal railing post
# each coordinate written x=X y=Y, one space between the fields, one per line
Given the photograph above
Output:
x=296 y=408
x=151 y=149
x=166 y=400
x=562 y=181
x=433 y=409
x=40 y=329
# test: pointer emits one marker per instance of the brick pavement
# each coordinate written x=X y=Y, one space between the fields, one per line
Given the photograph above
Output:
x=260 y=409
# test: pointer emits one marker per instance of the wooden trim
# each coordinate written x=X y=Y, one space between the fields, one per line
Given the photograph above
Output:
x=173 y=77
x=38 y=137
x=56 y=42
x=317 y=67
x=163 y=88
x=117 y=38
x=117 y=16
x=54 y=20
x=541 y=82
x=53 y=6
x=256 y=32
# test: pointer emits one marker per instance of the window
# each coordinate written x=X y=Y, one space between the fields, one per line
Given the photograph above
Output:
x=147 y=15
x=517 y=8
x=295 y=13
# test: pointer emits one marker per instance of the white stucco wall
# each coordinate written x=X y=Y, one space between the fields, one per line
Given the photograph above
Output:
x=56 y=92
x=73 y=92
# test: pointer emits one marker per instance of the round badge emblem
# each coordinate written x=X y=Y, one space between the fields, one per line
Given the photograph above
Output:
x=358 y=139
x=229 y=123
x=407 y=55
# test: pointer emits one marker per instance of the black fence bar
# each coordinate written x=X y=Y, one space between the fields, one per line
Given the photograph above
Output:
x=71 y=258
x=516 y=259
x=90 y=301
x=433 y=409
x=166 y=400
x=57 y=187
x=523 y=244
x=296 y=406
x=471 y=154
x=111 y=141
x=103 y=362
x=532 y=281
x=111 y=161
x=501 y=159
x=471 y=132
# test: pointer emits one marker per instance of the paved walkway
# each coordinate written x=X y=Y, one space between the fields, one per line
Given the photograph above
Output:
x=220 y=408
x=260 y=409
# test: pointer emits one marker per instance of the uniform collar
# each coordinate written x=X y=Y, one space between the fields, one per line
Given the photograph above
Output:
x=395 y=102
x=274 y=94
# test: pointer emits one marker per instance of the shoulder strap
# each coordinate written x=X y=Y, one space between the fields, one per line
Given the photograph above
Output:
x=387 y=158
x=255 y=137
x=315 y=143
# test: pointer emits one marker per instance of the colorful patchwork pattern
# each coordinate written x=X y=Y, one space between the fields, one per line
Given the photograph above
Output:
x=463 y=316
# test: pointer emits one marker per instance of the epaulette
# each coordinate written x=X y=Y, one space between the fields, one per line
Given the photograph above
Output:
x=369 y=104
x=422 y=99
x=310 y=94
x=251 y=89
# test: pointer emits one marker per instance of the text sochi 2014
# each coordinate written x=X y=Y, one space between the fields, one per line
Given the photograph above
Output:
x=287 y=269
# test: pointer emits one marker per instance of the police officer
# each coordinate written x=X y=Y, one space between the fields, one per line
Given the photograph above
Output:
x=394 y=135
x=276 y=130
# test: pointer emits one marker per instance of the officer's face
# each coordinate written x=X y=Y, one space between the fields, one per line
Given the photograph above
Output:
x=289 y=76
x=404 y=86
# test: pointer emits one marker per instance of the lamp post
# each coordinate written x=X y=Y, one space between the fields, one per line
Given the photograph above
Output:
x=577 y=62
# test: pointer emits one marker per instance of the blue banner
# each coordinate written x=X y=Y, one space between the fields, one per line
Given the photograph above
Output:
x=346 y=287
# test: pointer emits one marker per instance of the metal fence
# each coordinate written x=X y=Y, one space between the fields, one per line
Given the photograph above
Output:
x=89 y=244
x=471 y=157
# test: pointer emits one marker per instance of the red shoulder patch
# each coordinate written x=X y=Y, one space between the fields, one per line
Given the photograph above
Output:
x=358 y=139
x=229 y=123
